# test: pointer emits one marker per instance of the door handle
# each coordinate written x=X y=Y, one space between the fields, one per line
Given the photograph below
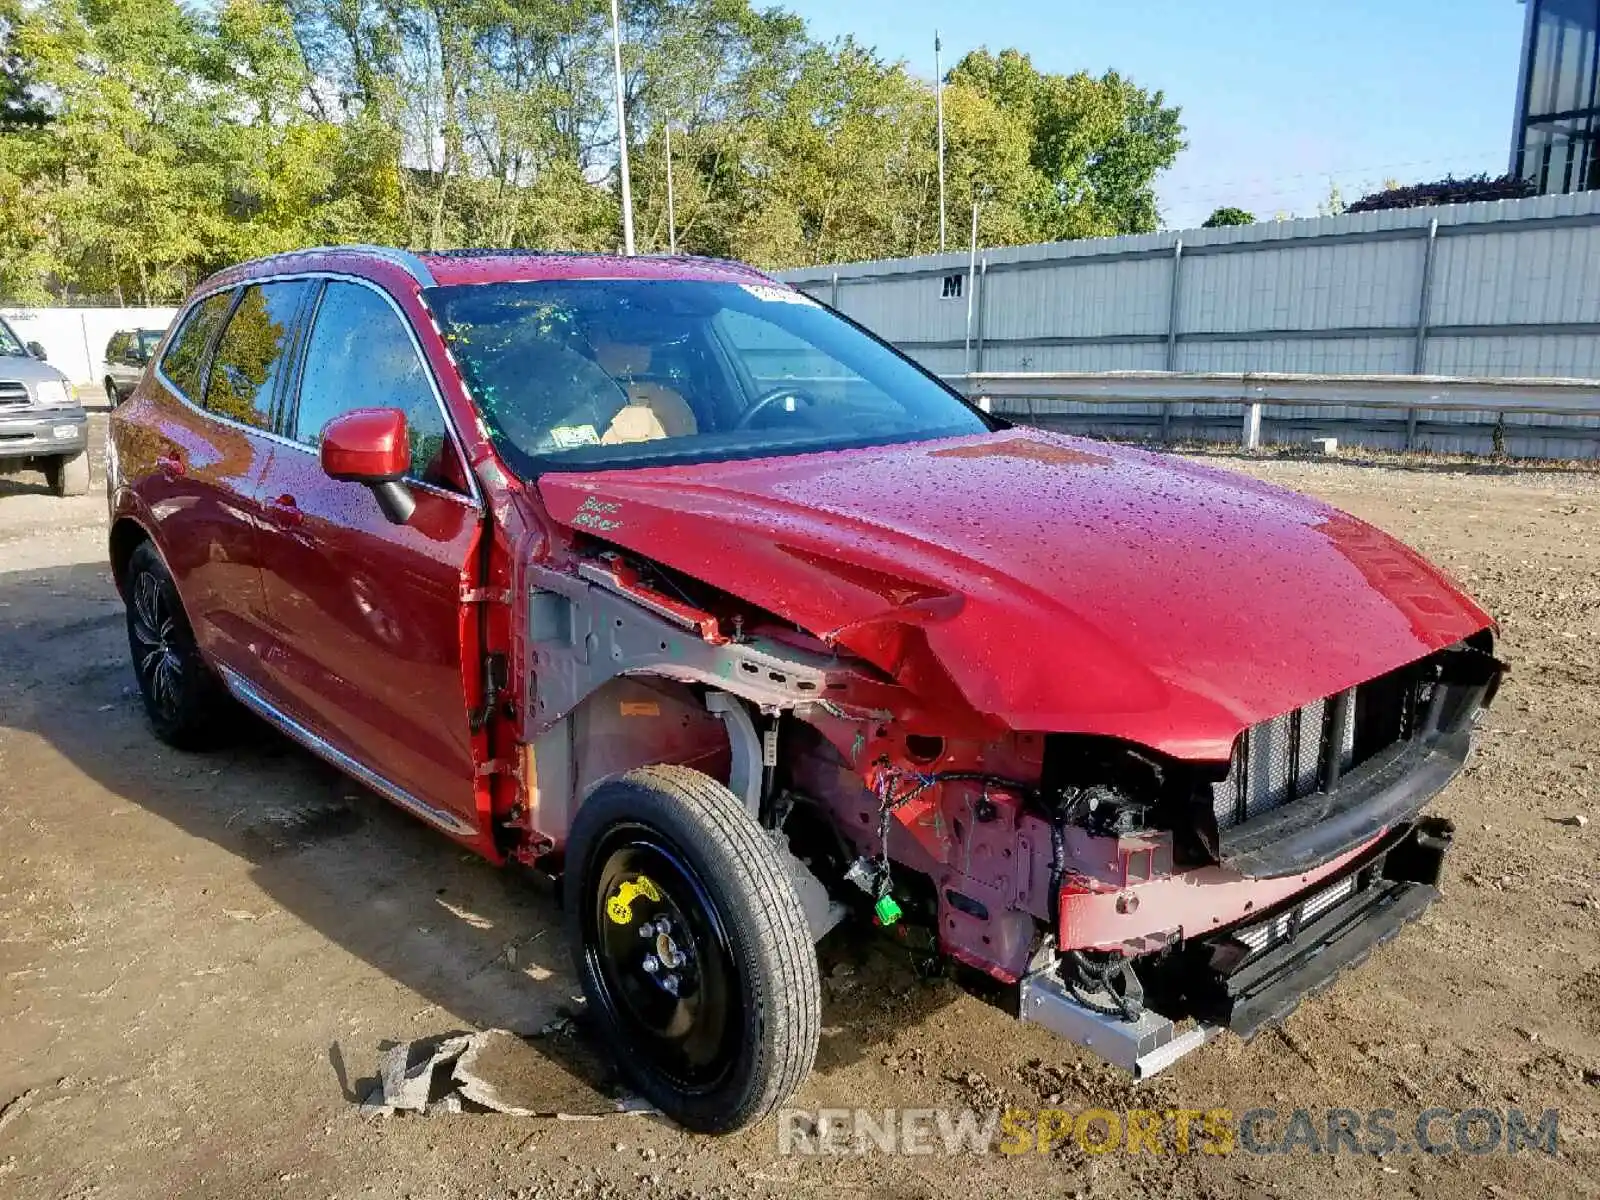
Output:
x=285 y=511
x=171 y=466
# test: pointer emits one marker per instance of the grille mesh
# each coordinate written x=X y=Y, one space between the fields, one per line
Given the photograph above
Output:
x=1266 y=933
x=12 y=392
x=1281 y=760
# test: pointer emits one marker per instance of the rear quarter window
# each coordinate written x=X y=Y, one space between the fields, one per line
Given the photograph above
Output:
x=184 y=362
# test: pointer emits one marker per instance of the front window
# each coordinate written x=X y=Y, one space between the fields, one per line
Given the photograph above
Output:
x=10 y=343
x=583 y=373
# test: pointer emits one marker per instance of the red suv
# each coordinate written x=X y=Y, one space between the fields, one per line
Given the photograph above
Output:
x=661 y=575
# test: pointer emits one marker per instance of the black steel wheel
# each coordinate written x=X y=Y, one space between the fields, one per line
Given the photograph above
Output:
x=183 y=699
x=692 y=947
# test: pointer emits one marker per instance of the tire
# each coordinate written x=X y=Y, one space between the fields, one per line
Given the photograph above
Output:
x=68 y=475
x=666 y=843
x=111 y=392
x=186 y=703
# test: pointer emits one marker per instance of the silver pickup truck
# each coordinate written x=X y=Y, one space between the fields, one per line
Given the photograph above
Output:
x=42 y=425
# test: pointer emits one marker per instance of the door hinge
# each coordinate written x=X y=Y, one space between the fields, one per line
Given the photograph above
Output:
x=497 y=766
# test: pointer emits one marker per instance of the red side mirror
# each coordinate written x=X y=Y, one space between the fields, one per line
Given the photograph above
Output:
x=367 y=445
x=370 y=446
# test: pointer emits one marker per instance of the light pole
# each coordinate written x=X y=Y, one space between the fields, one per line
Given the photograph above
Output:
x=972 y=274
x=672 y=220
x=622 y=133
x=938 y=104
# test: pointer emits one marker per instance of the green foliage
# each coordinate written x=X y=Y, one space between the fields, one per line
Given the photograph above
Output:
x=1223 y=217
x=145 y=143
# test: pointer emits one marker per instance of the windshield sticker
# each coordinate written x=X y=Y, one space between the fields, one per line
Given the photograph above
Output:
x=595 y=513
x=570 y=437
x=777 y=295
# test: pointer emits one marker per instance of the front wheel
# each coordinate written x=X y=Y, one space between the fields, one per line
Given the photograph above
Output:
x=68 y=475
x=692 y=947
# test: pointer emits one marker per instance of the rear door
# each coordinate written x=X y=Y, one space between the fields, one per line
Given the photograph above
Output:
x=367 y=615
x=221 y=379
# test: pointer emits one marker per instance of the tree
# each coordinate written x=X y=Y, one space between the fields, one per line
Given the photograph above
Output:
x=144 y=143
x=1222 y=217
x=1334 y=205
x=20 y=104
x=1095 y=144
x=1446 y=191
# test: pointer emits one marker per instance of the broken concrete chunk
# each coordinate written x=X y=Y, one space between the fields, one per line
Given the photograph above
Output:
x=406 y=1084
x=449 y=1103
x=507 y=1074
x=499 y=1071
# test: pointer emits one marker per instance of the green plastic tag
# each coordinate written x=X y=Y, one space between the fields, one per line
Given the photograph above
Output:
x=887 y=910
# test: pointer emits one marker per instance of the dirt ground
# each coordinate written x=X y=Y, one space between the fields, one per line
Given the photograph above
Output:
x=202 y=956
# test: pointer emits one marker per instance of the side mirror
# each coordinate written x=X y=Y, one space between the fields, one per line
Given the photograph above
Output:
x=370 y=446
x=37 y=350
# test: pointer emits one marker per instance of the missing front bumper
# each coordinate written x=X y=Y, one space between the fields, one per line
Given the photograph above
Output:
x=1254 y=975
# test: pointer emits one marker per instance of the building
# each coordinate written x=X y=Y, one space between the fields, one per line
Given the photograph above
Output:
x=1558 y=105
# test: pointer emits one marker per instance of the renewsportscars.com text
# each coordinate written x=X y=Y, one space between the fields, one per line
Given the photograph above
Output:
x=1213 y=1131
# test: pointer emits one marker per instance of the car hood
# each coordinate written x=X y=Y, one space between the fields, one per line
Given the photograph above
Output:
x=1057 y=584
x=27 y=369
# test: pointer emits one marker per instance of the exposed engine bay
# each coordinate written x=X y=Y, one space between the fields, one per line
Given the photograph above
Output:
x=1136 y=902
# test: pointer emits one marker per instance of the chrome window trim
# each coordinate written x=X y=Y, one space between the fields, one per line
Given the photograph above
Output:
x=251 y=697
x=474 y=498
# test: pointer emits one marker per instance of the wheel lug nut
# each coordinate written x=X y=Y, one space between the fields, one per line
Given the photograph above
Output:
x=651 y=964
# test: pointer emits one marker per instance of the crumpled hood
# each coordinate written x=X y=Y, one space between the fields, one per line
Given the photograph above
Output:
x=1057 y=584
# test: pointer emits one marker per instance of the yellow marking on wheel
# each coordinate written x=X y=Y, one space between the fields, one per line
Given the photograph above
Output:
x=619 y=907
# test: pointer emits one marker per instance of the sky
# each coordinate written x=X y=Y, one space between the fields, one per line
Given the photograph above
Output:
x=1280 y=98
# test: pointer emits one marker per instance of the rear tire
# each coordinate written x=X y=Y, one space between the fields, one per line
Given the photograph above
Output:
x=111 y=392
x=186 y=703
x=724 y=1026
x=68 y=475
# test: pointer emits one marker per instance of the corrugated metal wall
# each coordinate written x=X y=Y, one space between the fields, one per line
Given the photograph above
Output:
x=1501 y=289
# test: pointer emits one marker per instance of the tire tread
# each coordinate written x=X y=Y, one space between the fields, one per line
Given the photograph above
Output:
x=766 y=909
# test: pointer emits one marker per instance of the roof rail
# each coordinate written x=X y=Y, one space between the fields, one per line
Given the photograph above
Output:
x=403 y=259
x=534 y=251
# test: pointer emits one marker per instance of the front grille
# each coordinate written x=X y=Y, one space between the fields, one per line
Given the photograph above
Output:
x=1304 y=751
x=1287 y=924
x=12 y=392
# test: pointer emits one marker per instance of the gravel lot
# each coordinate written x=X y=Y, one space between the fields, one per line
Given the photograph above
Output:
x=201 y=956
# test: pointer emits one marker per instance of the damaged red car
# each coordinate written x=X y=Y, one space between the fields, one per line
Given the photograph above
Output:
x=659 y=576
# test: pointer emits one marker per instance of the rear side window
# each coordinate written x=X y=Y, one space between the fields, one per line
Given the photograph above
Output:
x=253 y=352
x=360 y=355
x=184 y=362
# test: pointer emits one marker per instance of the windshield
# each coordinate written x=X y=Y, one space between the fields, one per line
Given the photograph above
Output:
x=583 y=373
x=148 y=340
x=9 y=342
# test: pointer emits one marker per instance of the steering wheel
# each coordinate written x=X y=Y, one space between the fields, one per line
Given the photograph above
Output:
x=784 y=391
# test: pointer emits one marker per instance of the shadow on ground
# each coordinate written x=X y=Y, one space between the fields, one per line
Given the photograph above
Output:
x=484 y=945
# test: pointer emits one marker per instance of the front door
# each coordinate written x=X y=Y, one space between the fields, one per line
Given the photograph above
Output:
x=366 y=615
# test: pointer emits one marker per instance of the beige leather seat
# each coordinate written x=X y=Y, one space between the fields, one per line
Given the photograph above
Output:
x=654 y=411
